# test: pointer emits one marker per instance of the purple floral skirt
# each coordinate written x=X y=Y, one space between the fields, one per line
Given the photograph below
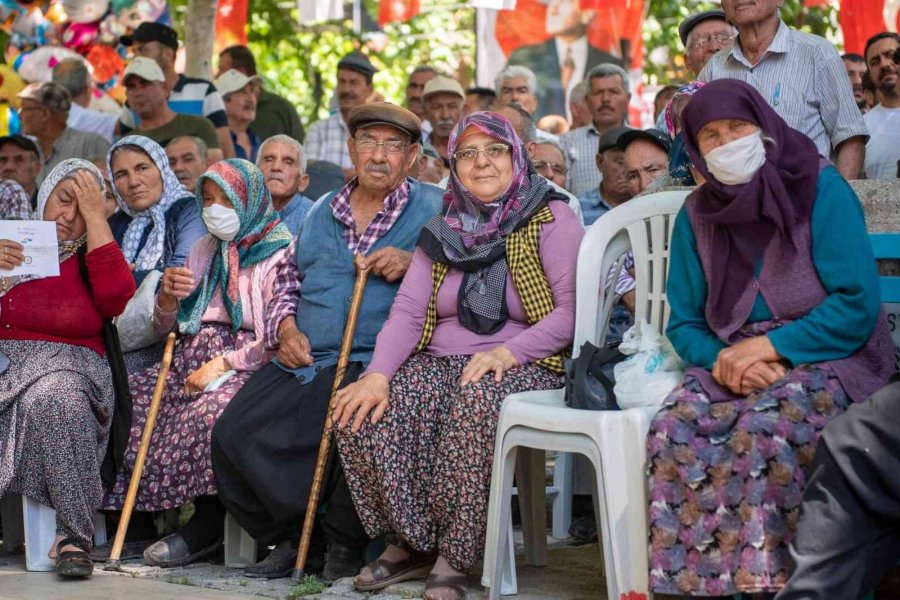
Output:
x=726 y=480
x=178 y=466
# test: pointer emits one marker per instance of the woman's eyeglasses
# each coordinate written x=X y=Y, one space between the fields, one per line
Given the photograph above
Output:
x=493 y=151
x=390 y=146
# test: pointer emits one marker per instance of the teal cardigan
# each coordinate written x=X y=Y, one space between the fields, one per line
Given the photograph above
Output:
x=836 y=328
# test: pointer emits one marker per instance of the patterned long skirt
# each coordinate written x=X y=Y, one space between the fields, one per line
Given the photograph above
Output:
x=56 y=403
x=424 y=471
x=178 y=466
x=726 y=481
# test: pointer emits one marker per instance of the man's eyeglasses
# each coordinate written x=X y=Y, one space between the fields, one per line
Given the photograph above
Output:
x=390 y=146
x=541 y=167
x=721 y=39
x=493 y=151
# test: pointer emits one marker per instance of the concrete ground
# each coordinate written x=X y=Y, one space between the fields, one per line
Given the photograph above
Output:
x=573 y=574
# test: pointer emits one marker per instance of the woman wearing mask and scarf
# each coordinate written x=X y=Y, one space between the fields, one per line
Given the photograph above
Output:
x=217 y=302
x=156 y=226
x=774 y=301
x=56 y=390
x=487 y=309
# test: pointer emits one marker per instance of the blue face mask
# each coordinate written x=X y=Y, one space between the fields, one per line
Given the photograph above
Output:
x=680 y=162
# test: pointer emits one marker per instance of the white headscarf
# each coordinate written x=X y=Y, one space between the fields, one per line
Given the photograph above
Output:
x=172 y=190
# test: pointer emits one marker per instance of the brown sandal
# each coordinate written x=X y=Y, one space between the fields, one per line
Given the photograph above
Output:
x=388 y=572
x=458 y=584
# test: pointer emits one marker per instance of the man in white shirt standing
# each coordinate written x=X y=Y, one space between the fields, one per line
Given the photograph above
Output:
x=883 y=121
x=73 y=74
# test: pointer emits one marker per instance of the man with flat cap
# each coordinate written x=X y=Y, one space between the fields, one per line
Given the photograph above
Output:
x=646 y=157
x=327 y=140
x=703 y=34
x=614 y=188
x=265 y=444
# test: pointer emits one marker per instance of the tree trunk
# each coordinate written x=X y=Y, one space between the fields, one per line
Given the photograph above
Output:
x=199 y=34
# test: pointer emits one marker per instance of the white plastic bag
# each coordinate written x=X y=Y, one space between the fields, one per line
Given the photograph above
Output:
x=135 y=325
x=650 y=372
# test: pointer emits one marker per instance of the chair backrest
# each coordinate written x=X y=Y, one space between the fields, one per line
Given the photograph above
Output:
x=644 y=226
x=887 y=246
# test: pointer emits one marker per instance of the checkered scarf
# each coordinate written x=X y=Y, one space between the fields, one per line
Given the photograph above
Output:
x=147 y=257
x=471 y=234
x=261 y=235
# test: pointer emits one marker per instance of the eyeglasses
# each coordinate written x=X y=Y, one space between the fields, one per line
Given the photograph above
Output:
x=721 y=39
x=493 y=151
x=559 y=169
x=390 y=146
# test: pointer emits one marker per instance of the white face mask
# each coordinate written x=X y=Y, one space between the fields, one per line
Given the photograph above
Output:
x=737 y=161
x=222 y=222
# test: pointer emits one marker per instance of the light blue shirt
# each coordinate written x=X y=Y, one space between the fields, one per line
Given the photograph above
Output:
x=294 y=214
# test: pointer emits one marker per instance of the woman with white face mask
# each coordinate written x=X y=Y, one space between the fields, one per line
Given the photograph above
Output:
x=217 y=302
x=775 y=304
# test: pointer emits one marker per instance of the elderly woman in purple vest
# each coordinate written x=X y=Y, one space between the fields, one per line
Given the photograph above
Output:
x=486 y=309
x=775 y=303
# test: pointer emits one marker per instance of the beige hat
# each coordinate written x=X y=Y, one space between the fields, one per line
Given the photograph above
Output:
x=145 y=68
x=443 y=85
x=233 y=80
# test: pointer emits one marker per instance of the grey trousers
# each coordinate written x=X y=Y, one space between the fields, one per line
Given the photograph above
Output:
x=848 y=536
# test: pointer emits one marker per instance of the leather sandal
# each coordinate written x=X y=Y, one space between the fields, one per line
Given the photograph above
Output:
x=73 y=563
x=458 y=584
x=386 y=572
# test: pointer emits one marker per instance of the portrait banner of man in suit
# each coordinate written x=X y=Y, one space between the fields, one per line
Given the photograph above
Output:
x=560 y=40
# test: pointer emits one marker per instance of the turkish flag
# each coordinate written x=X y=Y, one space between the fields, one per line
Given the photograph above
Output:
x=397 y=10
x=861 y=19
x=231 y=24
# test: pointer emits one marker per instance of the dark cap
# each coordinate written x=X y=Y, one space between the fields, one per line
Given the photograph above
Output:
x=23 y=142
x=482 y=91
x=385 y=113
x=693 y=20
x=357 y=61
x=153 y=32
x=660 y=138
x=610 y=138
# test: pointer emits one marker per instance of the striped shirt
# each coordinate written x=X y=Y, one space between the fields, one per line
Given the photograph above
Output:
x=191 y=96
x=581 y=146
x=803 y=79
x=286 y=290
x=327 y=140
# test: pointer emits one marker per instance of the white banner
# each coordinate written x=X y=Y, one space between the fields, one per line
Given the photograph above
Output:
x=316 y=11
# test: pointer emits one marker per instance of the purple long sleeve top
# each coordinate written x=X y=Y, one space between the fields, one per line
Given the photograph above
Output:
x=559 y=242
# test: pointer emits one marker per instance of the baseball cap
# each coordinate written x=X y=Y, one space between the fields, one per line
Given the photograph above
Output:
x=233 y=80
x=24 y=142
x=145 y=68
x=152 y=32
x=693 y=20
x=357 y=61
x=49 y=94
x=385 y=113
x=443 y=85
x=610 y=138
x=660 y=138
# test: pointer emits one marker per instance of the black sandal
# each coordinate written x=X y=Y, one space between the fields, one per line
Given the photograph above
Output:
x=385 y=572
x=458 y=584
x=73 y=563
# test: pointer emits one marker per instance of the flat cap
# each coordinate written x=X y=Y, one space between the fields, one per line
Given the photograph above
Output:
x=443 y=85
x=152 y=32
x=660 y=138
x=385 y=113
x=357 y=61
x=693 y=20
x=610 y=138
x=49 y=94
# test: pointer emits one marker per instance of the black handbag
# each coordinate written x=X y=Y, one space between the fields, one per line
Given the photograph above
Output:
x=590 y=378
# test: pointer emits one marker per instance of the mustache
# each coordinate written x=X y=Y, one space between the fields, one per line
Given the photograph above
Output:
x=182 y=175
x=383 y=168
x=347 y=96
x=445 y=123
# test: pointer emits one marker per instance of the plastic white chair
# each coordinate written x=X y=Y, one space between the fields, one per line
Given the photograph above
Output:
x=240 y=547
x=613 y=441
x=40 y=531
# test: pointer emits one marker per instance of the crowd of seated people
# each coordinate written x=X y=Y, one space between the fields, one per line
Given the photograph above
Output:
x=468 y=218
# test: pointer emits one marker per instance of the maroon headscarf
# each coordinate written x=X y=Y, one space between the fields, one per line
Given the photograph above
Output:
x=745 y=218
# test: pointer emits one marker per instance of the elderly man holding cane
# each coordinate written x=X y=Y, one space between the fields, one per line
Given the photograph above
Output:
x=266 y=442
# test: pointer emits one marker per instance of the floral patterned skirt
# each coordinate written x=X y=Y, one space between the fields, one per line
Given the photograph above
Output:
x=424 y=470
x=726 y=479
x=178 y=466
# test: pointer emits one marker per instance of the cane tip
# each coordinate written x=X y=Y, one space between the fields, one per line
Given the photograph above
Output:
x=297 y=575
x=113 y=565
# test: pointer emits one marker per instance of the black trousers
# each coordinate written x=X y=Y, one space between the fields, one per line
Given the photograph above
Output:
x=848 y=536
x=264 y=451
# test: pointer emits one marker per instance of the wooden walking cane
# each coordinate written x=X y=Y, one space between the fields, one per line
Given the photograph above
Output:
x=114 y=564
x=325 y=444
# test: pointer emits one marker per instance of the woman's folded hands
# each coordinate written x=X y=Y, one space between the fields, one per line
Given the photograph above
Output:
x=748 y=366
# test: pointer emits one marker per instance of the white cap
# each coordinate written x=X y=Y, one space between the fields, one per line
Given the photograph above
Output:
x=233 y=80
x=145 y=68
